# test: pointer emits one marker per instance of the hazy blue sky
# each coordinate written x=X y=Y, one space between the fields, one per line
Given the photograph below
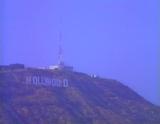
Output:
x=112 y=38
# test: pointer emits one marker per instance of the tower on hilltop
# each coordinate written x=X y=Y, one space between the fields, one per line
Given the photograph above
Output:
x=60 y=65
x=60 y=50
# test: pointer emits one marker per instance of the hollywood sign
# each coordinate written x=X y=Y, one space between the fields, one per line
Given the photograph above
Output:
x=46 y=81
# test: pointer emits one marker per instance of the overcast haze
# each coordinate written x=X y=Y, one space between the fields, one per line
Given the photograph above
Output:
x=112 y=38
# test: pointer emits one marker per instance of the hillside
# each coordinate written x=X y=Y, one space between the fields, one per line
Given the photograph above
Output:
x=37 y=96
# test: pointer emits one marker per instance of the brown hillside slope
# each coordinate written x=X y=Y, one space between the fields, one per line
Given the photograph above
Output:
x=85 y=100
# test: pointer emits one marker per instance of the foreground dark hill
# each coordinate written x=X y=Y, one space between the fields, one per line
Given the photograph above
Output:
x=34 y=96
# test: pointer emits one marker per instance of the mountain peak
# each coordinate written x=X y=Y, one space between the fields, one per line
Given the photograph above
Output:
x=43 y=96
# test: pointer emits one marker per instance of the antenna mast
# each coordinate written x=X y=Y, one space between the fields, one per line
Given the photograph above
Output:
x=60 y=50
